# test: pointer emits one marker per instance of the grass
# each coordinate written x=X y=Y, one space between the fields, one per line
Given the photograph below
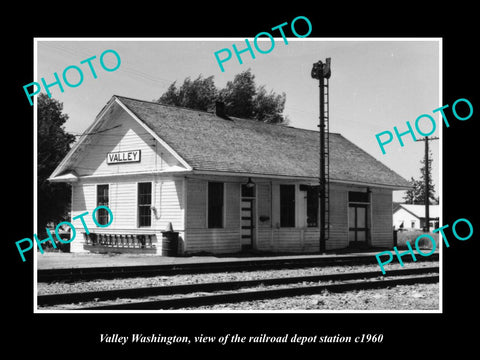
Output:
x=412 y=235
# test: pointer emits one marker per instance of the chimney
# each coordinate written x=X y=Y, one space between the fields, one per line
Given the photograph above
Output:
x=220 y=109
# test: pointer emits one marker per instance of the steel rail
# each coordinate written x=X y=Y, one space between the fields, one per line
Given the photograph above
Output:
x=195 y=301
x=89 y=273
x=131 y=293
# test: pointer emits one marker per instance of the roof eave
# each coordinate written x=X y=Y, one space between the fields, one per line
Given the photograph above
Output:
x=180 y=159
x=377 y=185
x=61 y=166
x=68 y=177
x=251 y=174
x=300 y=178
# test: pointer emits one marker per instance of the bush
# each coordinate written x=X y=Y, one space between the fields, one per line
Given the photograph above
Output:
x=60 y=246
x=411 y=236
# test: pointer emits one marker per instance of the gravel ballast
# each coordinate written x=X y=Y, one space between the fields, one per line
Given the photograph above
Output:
x=109 y=284
x=401 y=297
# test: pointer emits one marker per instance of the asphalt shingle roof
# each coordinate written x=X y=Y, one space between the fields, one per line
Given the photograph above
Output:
x=210 y=143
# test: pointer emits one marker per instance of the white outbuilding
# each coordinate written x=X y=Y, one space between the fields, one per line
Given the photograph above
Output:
x=412 y=216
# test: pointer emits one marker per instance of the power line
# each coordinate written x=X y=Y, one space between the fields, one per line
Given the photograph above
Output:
x=98 y=132
x=131 y=72
x=63 y=49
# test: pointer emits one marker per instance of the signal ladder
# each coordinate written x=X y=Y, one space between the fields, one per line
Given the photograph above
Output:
x=326 y=106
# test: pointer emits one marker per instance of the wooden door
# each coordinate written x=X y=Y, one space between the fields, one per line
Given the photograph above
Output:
x=357 y=224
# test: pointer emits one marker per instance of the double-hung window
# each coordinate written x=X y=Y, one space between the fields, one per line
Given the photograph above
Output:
x=144 y=204
x=215 y=204
x=287 y=205
x=102 y=200
x=312 y=206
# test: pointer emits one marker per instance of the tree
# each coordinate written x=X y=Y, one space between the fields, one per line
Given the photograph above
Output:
x=198 y=94
x=269 y=107
x=416 y=195
x=171 y=96
x=241 y=96
x=53 y=143
x=431 y=187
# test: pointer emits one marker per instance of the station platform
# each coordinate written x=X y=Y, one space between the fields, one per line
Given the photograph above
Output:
x=58 y=260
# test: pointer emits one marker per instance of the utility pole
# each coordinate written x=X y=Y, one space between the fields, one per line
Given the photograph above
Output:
x=321 y=71
x=426 y=226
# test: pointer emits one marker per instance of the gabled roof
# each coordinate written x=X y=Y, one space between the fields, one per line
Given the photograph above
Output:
x=419 y=210
x=208 y=143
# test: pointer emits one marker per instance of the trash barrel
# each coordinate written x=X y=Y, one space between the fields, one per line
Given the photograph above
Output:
x=169 y=241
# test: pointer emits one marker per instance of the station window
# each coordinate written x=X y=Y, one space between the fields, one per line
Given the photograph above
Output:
x=312 y=206
x=215 y=205
x=287 y=205
x=357 y=196
x=144 y=204
x=102 y=200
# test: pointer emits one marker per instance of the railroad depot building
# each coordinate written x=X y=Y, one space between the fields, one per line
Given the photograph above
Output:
x=225 y=184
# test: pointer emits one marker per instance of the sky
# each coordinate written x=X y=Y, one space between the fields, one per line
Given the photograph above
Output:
x=376 y=84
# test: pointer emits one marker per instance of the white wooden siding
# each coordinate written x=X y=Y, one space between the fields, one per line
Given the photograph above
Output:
x=129 y=135
x=270 y=236
x=122 y=201
x=196 y=204
x=171 y=195
x=264 y=205
x=199 y=237
x=289 y=240
x=301 y=238
x=304 y=239
x=264 y=239
x=232 y=206
x=382 y=228
x=215 y=241
x=338 y=237
x=83 y=200
x=167 y=199
x=275 y=205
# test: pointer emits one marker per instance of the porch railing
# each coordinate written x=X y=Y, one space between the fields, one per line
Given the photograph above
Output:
x=121 y=241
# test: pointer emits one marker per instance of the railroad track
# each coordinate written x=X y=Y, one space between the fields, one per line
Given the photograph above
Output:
x=230 y=291
x=75 y=274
